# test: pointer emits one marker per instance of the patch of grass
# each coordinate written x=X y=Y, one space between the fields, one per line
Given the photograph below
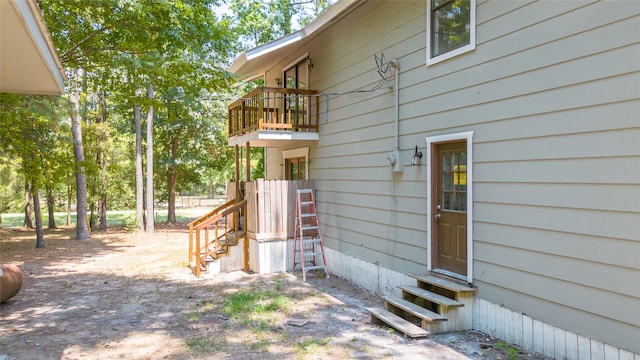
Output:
x=203 y=345
x=260 y=345
x=512 y=353
x=256 y=308
x=312 y=345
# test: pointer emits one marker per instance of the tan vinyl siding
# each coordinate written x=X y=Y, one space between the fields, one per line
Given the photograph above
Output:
x=273 y=164
x=552 y=94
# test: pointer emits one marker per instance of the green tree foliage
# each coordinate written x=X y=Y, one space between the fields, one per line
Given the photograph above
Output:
x=257 y=22
x=112 y=51
x=32 y=129
x=178 y=46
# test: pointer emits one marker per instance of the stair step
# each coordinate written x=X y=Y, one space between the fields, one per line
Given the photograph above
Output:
x=413 y=309
x=396 y=322
x=445 y=284
x=430 y=296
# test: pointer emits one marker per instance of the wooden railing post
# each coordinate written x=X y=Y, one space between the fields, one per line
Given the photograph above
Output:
x=243 y=116
x=197 y=264
x=246 y=238
x=190 y=242
x=261 y=114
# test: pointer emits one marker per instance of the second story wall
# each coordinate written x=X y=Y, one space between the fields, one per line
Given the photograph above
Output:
x=551 y=93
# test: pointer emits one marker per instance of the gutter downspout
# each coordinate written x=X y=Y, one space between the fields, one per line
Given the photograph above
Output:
x=396 y=87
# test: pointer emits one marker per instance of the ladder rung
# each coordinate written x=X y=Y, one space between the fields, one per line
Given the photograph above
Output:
x=311 y=240
x=305 y=228
x=306 y=202
x=304 y=191
x=309 y=268
x=313 y=254
x=307 y=215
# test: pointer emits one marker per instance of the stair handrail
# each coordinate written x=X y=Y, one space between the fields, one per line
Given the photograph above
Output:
x=194 y=223
x=203 y=222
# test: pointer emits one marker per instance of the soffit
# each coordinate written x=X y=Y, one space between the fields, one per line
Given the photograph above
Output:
x=29 y=63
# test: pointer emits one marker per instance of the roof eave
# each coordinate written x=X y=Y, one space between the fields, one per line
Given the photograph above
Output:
x=254 y=58
x=28 y=21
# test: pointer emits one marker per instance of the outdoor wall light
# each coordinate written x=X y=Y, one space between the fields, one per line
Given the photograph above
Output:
x=415 y=160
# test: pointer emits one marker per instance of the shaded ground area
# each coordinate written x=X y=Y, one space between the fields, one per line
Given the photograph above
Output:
x=131 y=296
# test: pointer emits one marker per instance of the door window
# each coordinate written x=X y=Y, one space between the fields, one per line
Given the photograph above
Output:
x=454 y=180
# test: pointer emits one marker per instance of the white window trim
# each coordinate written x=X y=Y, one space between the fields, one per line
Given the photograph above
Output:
x=453 y=53
x=292 y=154
x=431 y=141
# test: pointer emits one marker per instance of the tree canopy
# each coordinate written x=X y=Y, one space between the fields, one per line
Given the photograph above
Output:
x=113 y=51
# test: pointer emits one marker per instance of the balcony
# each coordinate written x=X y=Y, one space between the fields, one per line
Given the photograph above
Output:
x=268 y=117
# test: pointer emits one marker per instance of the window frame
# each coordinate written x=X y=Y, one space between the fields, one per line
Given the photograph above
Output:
x=457 y=51
x=294 y=64
x=295 y=154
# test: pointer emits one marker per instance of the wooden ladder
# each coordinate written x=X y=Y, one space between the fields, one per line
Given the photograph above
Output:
x=307 y=241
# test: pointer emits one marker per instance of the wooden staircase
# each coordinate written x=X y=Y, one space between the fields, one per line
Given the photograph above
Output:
x=435 y=305
x=220 y=232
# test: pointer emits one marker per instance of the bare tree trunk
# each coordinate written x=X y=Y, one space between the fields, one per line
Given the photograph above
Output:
x=28 y=207
x=82 y=228
x=39 y=231
x=172 y=178
x=139 y=172
x=51 y=207
x=150 y=218
x=69 y=196
x=102 y=160
x=92 y=218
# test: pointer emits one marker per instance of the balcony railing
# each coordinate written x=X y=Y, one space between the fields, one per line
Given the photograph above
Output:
x=275 y=109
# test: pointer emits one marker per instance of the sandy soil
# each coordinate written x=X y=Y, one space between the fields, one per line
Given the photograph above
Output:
x=131 y=296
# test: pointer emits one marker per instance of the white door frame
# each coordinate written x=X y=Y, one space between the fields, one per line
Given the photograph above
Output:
x=431 y=142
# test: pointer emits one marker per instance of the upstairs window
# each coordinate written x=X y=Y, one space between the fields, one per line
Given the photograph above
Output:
x=296 y=74
x=451 y=28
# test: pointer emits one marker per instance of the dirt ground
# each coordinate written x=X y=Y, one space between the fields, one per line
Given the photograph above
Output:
x=131 y=296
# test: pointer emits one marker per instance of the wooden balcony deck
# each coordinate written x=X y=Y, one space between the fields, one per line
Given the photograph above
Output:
x=269 y=114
